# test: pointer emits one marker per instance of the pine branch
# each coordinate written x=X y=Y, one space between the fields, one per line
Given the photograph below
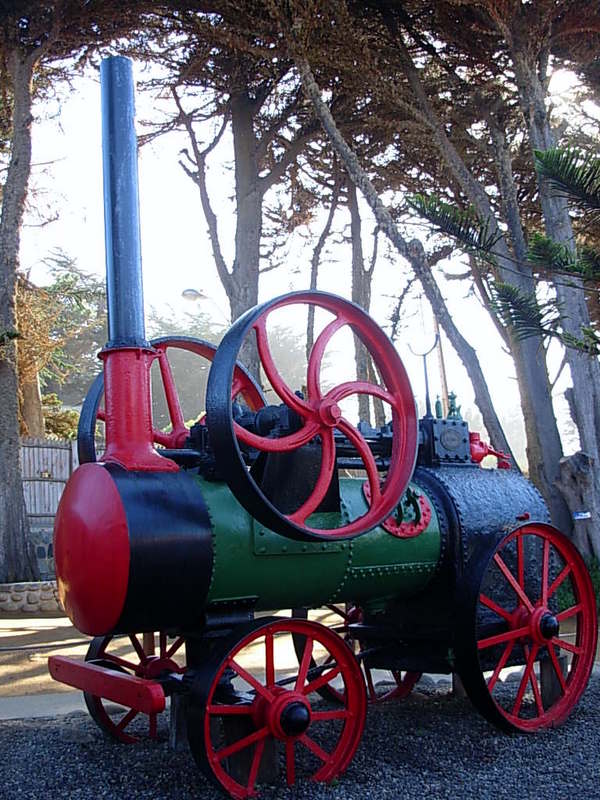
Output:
x=466 y=227
x=573 y=173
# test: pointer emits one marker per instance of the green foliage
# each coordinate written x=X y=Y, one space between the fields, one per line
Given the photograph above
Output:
x=467 y=227
x=583 y=262
x=523 y=312
x=8 y=336
x=573 y=173
x=60 y=422
x=564 y=594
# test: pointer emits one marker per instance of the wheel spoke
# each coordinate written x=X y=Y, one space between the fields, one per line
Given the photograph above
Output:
x=304 y=664
x=559 y=579
x=366 y=456
x=290 y=762
x=360 y=387
x=256 y=759
x=321 y=487
x=513 y=582
x=280 y=387
x=249 y=678
x=162 y=644
x=121 y=662
x=175 y=647
x=499 y=638
x=269 y=659
x=317 y=716
x=124 y=722
x=314 y=748
x=525 y=680
x=242 y=743
x=137 y=647
x=545 y=569
x=175 y=412
x=520 y=562
x=534 y=685
x=491 y=604
x=316 y=357
x=500 y=665
x=569 y=612
x=564 y=645
x=282 y=445
x=322 y=680
x=557 y=669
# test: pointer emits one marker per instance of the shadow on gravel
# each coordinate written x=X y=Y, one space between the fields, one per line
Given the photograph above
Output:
x=424 y=747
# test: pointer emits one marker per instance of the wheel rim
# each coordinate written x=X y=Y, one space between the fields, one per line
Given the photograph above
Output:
x=136 y=656
x=536 y=630
x=400 y=683
x=279 y=707
x=92 y=410
x=320 y=415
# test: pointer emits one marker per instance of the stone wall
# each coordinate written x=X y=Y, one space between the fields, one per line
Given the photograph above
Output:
x=29 y=598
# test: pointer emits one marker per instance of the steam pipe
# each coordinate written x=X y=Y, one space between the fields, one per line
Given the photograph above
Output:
x=124 y=289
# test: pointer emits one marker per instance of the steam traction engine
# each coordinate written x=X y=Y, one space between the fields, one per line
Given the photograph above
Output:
x=175 y=547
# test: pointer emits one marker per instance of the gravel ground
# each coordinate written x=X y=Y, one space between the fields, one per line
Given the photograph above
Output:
x=424 y=747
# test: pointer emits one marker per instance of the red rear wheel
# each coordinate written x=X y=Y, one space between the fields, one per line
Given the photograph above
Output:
x=243 y=388
x=143 y=656
x=534 y=640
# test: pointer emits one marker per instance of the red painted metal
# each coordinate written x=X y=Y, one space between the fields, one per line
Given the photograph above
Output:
x=128 y=411
x=242 y=385
x=523 y=626
x=127 y=656
x=479 y=450
x=269 y=696
x=404 y=530
x=321 y=413
x=136 y=693
x=91 y=528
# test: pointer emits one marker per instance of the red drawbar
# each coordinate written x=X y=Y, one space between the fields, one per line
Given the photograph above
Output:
x=91 y=550
x=127 y=690
x=128 y=410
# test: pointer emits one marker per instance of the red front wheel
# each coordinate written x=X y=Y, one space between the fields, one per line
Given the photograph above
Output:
x=253 y=708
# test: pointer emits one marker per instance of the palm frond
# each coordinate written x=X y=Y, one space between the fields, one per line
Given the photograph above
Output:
x=522 y=311
x=573 y=173
x=464 y=226
x=589 y=262
x=588 y=343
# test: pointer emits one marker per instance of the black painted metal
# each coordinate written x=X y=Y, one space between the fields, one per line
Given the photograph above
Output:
x=124 y=290
x=171 y=550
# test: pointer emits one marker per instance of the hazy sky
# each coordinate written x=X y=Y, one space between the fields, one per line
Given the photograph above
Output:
x=175 y=250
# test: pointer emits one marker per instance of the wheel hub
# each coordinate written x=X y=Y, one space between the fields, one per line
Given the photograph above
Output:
x=330 y=413
x=287 y=714
x=295 y=719
x=549 y=626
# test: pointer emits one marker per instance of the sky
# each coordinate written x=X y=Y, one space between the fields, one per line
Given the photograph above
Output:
x=176 y=255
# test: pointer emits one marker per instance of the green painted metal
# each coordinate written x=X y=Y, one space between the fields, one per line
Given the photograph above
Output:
x=258 y=567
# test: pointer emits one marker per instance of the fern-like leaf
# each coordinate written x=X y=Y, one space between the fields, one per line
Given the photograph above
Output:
x=464 y=226
x=523 y=312
x=573 y=173
x=546 y=253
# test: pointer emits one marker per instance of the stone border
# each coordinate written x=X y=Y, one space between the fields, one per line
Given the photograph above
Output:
x=30 y=598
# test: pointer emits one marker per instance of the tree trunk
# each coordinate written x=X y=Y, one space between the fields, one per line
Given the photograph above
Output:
x=17 y=561
x=585 y=371
x=32 y=416
x=361 y=295
x=414 y=254
x=544 y=448
x=243 y=292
